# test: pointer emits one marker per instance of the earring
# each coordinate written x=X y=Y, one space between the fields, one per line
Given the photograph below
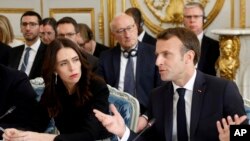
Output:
x=55 y=78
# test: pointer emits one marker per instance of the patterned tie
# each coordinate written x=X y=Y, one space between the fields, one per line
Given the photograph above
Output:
x=25 y=59
x=129 y=79
x=181 y=116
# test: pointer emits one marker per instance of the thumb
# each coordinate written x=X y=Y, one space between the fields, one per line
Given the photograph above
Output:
x=113 y=109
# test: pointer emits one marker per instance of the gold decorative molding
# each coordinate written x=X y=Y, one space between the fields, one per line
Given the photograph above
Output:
x=101 y=22
x=242 y=13
x=66 y=11
x=155 y=28
x=123 y=5
x=232 y=13
x=229 y=61
x=14 y=10
x=111 y=13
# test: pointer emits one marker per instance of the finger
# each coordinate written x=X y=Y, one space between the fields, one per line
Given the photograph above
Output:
x=230 y=120
x=225 y=124
x=219 y=127
x=113 y=109
x=238 y=120
x=99 y=115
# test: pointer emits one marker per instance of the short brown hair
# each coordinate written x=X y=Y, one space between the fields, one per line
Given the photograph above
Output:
x=186 y=36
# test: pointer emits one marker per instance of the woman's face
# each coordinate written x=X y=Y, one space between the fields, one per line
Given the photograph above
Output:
x=68 y=66
x=47 y=34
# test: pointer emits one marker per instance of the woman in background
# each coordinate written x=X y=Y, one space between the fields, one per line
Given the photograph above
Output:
x=6 y=33
x=71 y=93
x=48 y=30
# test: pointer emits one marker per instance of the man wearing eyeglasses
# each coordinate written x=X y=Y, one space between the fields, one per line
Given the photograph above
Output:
x=67 y=28
x=114 y=62
x=194 y=18
x=29 y=57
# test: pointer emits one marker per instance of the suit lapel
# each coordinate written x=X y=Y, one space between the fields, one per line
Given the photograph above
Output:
x=197 y=100
x=168 y=110
x=139 y=62
x=38 y=60
x=17 y=55
x=116 y=64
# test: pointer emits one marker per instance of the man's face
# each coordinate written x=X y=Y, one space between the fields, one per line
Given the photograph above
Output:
x=30 y=28
x=170 y=60
x=67 y=30
x=125 y=31
x=193 y=19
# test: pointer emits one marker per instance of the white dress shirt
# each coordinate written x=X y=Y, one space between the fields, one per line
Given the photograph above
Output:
x=188 y=103
x=32 y=55
x=123 y=64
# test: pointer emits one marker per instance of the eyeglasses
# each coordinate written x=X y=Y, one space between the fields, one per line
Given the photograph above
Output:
x=123 y=30
x=84 y=43
x=31 y=24
x=66 y=35
x=193 y=16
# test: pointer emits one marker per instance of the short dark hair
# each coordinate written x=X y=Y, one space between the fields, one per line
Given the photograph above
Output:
x=85 y=31
x=186 y=36
x=69 y=20
x=136 y=14
x=31 y=13
x=50 y=21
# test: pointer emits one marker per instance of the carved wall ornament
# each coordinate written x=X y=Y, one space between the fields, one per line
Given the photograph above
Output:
x=158 y=14
x=228 y=61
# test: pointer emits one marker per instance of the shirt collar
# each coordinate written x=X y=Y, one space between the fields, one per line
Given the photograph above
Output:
x=35 y=46
x=200 y=36
x=134 y=47
x=140 y=37
x=189 y=85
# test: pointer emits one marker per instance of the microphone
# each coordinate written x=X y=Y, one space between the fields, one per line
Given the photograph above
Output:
x=150 y=124
x=11 y=109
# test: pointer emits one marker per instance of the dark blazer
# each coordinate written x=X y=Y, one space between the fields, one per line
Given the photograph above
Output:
x=213 y=99
x=78 y=123
x=4 y=53
x=99 y=49
x=147 y=74
x=92 y=60
x=149 y=39
x=16 y=91
x=16 y=55
x=209 y=55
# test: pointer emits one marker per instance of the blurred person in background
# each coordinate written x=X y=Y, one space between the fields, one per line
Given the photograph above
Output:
x=6 y=33
x=87 y=42
x=48 y=30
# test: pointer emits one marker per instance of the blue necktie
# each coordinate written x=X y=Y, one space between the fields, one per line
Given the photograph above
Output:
x=129 y=79
x=181 y=116
x=25 y=59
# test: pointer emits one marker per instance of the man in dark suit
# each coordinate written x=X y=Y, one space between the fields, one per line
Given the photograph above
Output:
x=194 y=18
x=206 y=99
x=4 y=53
x=113 y=62
x=143 y=36
x=18 y=95
x=87 y=42
x=33 y=49
x=67 y=28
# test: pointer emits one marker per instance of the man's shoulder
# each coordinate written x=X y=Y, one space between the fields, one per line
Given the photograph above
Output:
x=8 y=72
x=209 y=39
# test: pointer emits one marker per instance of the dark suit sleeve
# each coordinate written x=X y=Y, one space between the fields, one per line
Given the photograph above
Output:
x=28 y=114
x=91 y=128
x=233 y=102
